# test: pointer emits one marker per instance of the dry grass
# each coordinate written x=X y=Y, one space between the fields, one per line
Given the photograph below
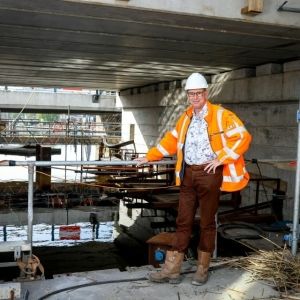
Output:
x=279 y=267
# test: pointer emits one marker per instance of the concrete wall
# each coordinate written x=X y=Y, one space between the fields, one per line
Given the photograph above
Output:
x=58 y=216
x=265 y=98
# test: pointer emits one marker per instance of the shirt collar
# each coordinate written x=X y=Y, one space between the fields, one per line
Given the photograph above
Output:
x=202 y=113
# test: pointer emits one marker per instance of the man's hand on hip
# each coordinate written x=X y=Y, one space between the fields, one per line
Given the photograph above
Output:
x=212 y=165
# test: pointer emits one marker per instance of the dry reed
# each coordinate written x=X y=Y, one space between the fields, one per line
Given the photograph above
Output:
x=278 y=267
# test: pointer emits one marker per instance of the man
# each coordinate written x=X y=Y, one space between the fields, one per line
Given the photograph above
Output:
x=209 y=142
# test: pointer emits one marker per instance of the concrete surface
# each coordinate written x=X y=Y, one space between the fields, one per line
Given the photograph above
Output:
x=224 y=284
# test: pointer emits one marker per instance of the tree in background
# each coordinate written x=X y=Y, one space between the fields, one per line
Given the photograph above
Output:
x=48 y=117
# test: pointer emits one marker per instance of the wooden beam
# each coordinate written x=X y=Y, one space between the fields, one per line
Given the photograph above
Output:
x=254 y=7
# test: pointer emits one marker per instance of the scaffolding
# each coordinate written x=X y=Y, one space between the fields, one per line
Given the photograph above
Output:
x=53 y=133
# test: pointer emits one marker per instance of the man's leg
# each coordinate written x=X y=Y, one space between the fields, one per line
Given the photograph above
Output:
x=208 y=189
x=188 y=205
x=170 y=271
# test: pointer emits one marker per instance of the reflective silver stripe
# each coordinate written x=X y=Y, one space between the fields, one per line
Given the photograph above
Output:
x=236 y=145
x=174 y=133
x=233 y=179
x=232 y=170
x=238 y=141
x=186 y=118
x=177 y=174
x=161 y=149
x=179 y=145
x=236 y=130
x=233 y=175
x=231 y=153
x=219 y=119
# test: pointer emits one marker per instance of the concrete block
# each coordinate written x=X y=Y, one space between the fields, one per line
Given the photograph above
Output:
x=266 y=114
x=268 y=69
x=124 y=92
x=242 y=92
x=291 y=66
x=222 y=92
x=266 y=88
x=149 y=88
x=242 y=73
x=233 y=75
x=291 y=85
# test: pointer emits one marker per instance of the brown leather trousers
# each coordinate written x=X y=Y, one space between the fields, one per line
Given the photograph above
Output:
x=198 y=189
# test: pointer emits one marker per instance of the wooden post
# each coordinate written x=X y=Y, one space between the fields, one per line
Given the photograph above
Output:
x=254 y=7
x=43 y=174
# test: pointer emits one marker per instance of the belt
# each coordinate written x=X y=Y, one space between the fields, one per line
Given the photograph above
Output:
x=200 y=167
x=196 y=167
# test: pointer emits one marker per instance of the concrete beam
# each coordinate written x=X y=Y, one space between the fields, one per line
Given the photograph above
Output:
x=268 y=69
x=229 y=9
x=55 y=102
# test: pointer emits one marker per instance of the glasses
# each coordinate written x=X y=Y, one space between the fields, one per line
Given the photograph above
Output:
x=196 y=94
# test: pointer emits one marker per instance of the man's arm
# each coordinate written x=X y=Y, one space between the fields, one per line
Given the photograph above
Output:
x=236 y=138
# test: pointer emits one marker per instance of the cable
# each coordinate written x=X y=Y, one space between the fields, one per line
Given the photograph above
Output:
x=240 y=225
x=16 y=119
x=74 y=287
x=213 y=267
x=262 y=182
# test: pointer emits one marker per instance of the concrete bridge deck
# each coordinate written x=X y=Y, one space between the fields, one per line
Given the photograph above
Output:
x=54 y=102
x=123 y=44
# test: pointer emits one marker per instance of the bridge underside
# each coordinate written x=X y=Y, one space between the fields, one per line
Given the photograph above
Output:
x=95 y=45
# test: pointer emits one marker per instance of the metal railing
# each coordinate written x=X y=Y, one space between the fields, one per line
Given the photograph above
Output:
x=31 y=167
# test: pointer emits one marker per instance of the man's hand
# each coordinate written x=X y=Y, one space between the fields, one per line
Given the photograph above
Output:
x=212 y=165
x=141 y=161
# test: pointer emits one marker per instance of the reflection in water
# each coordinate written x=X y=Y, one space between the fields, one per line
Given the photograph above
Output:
x=48 y=235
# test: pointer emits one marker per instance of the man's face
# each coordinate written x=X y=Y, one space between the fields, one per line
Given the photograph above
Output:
x=197 y=98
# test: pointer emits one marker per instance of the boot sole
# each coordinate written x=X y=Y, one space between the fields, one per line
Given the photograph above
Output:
x=198 y=283
x=165 y=280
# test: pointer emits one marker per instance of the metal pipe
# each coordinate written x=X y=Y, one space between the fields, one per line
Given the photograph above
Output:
x=297 y=193
x=282 y=7
x=81 y=163
x=30 y=204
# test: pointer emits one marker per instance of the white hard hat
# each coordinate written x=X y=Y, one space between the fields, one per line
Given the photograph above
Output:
x=196 y=81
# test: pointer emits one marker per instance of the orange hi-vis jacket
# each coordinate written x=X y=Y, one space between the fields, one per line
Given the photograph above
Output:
x=228 y=137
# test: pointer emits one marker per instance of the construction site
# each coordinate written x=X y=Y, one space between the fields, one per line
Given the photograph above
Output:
x=89 y=90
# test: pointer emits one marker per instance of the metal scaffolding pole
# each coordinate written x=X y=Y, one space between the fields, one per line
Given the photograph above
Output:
x=297 y=193
x=82 y=163
x=30 y=205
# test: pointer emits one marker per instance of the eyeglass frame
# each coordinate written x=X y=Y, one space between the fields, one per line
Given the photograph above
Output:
x=197 y=94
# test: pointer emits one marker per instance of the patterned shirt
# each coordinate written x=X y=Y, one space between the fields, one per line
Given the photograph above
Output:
x=197 y=150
